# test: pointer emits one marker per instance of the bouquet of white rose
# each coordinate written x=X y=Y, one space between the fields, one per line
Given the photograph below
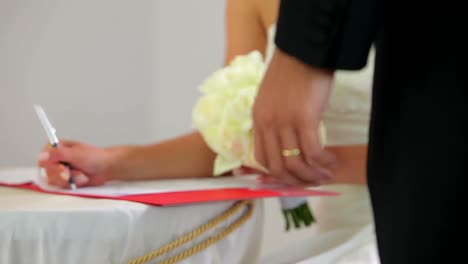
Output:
x=223 y=115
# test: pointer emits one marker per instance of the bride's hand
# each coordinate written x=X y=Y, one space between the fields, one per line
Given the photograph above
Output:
x=90 y=165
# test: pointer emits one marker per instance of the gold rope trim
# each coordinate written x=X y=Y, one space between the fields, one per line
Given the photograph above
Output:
x=199 y=231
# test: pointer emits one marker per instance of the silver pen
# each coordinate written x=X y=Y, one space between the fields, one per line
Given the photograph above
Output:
x=50 y=131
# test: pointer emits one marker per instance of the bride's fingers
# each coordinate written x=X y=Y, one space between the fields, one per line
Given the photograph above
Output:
x=43 y=158
x=80 y=178
x=56 y=182
x=57 y=175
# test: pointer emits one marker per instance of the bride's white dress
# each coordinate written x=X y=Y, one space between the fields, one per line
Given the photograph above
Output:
x=344 y=229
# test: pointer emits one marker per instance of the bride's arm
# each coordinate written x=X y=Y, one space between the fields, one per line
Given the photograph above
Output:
x=245 y=28
x=181 y=157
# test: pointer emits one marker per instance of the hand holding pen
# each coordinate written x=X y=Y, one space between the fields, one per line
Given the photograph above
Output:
x=53 y=140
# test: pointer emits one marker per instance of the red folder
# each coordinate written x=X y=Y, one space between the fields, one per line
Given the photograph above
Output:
x=188 y=197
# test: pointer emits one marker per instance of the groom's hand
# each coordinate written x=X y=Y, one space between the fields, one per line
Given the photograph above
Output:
x=287 y=115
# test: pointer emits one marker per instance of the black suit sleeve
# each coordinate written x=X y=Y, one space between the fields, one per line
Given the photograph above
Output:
x=332 y=34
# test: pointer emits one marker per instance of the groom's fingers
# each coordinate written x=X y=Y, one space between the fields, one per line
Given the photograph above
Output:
x=276 y=164
x=259 y=151
x=295 y=164
x=320 y=160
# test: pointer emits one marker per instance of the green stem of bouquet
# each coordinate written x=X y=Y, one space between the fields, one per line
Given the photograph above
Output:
x=300 y=215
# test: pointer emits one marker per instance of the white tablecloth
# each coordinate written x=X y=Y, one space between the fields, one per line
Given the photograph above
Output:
x=52 y=229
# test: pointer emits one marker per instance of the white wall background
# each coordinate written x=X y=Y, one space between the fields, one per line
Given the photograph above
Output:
x=89 y=63
x=108 y=72
x=190 y=36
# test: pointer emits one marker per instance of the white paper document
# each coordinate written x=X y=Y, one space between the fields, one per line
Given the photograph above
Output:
x=158 y=186
x=24 y=175
x=18 y=175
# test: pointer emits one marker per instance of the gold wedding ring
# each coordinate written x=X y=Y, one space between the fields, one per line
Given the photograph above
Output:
x=291 y=152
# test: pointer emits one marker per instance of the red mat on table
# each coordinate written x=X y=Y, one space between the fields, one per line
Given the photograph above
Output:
x=188 y=197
